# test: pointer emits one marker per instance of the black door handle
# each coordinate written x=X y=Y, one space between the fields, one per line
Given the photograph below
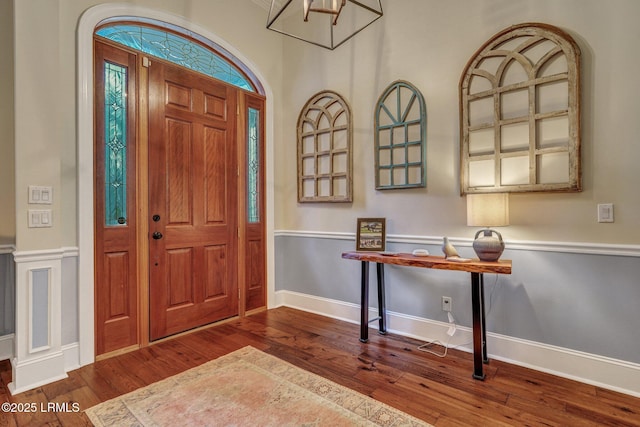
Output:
x=156 y=235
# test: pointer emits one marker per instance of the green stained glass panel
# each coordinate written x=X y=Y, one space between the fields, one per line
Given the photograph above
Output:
x=179 y=50
x=115 y=119
x=253 y=166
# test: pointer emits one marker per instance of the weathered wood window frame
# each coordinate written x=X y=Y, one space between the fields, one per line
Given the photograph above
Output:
x=324 y=149
x=400 y=121
x=520 y=113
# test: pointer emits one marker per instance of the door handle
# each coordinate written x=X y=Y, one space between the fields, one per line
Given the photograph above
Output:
x=156 y=235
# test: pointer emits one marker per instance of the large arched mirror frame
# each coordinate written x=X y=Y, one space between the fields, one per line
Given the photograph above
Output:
x=520 y=113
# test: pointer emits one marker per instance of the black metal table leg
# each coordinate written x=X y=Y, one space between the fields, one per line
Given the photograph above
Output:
x=485 y=357
x=381 y=303
x=477 y=307
x=364 y=302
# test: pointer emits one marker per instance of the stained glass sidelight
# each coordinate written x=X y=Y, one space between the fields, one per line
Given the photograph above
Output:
x=115 y=119
x=253 y=166
x=179 y=50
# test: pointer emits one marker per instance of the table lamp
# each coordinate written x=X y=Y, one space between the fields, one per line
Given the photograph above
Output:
x=488 y=210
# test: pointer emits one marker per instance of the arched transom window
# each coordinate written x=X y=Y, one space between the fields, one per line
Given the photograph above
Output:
x=520 y=113
x=187 y=50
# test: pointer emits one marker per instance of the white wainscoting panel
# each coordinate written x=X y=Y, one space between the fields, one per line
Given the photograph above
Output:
x=35 y=365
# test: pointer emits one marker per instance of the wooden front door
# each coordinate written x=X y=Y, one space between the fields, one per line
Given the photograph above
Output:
x=193 y=201
x=179 y=199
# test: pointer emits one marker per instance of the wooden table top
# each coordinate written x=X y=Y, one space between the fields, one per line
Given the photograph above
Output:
x=502 y=266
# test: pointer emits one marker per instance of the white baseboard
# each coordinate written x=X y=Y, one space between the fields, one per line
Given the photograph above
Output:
x=6 y=347
x=36 y=372
x=71 y=356
x=588 y=368
x=39 y=369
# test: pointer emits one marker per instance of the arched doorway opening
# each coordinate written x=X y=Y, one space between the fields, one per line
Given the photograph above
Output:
x=86 y=215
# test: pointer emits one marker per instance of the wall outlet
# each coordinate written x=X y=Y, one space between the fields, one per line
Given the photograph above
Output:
x=446 y=303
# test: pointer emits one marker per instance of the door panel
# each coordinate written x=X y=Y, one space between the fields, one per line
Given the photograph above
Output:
x=179 y=263
x=116 y=288
x=215 y=166
x=178 y=169
x=216 y=257
x=193 y=190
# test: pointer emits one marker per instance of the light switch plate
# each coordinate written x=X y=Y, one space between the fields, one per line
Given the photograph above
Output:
x=40 y=195
x=40 y=218
x=605 y=212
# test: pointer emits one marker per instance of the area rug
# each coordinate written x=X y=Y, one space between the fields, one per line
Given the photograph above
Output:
x=247 y=388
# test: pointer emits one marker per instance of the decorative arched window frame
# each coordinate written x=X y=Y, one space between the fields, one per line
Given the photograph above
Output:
x=520 y=113
x=400 y=122
x=325 y=162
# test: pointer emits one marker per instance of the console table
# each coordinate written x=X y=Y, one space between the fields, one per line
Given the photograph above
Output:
x=475 y=267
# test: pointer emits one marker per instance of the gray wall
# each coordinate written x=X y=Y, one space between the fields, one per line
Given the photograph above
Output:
x=7 y=294
x=580 y=302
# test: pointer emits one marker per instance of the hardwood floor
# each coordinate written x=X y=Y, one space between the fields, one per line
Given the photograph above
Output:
x=388 y=368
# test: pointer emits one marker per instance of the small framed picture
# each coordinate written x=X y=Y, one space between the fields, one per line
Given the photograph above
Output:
x=371 y=234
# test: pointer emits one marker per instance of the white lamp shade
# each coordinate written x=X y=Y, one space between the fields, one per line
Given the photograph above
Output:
x=488 y=210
